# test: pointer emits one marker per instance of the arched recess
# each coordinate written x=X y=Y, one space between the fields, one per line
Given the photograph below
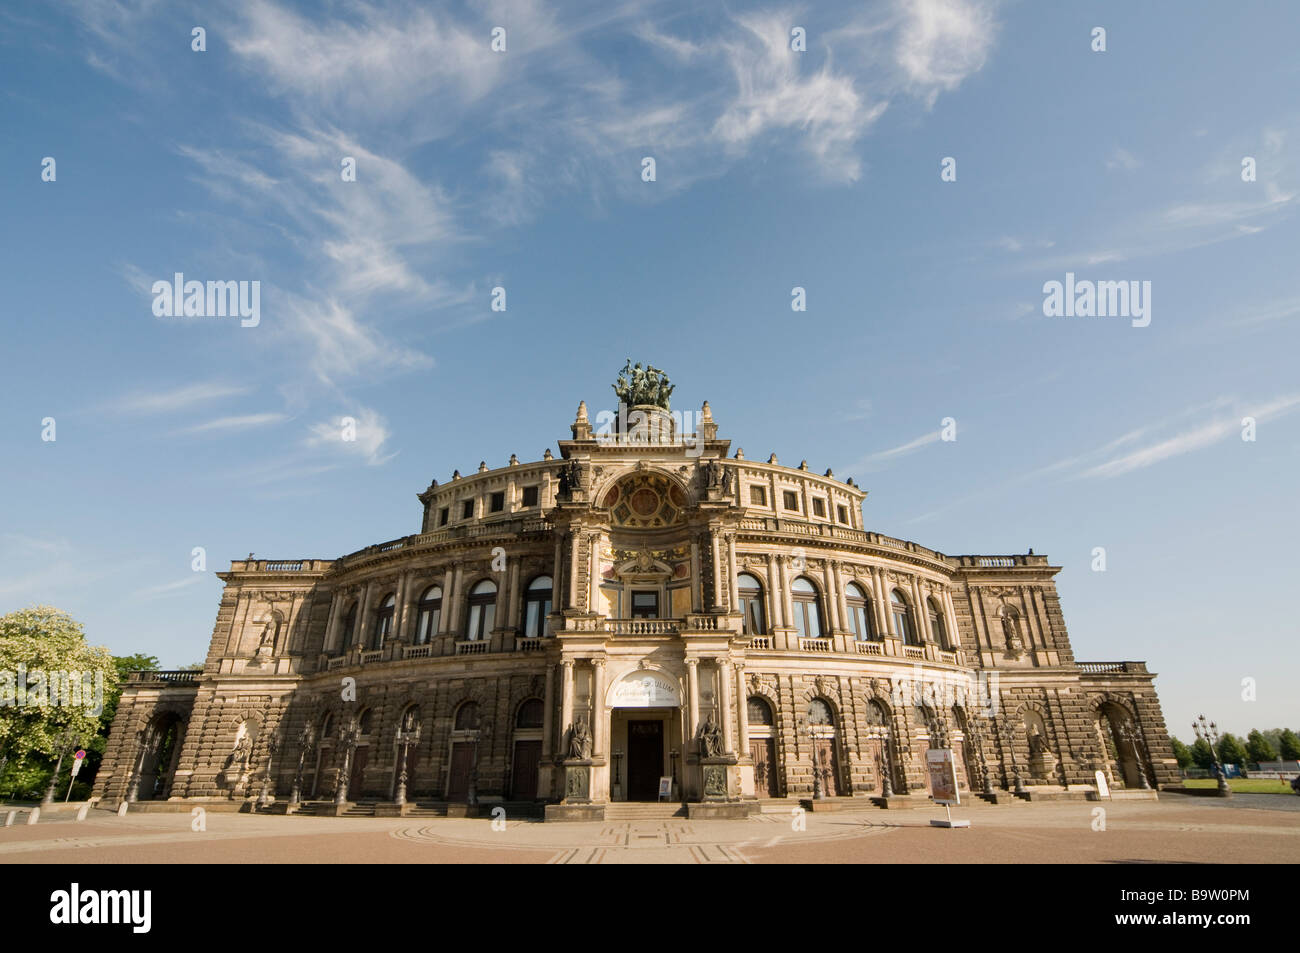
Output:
x=876 y=741
x=163 y=736
x=526 y=749
x=1113 y=719
x=821 y=719
x=761 y=719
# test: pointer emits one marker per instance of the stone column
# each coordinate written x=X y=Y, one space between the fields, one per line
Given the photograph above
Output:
x=599 y=736
x=557 y=576
x=773 y=588
x=697 y=586
x=787 y=595
x=332 y=625
x=399 y=610
x=733 y=588
x=548 y=715
x=512 y=617
x=566 y=700
x=922 y=612
x=841 y=600
x=444 y=617
x=724 y=691
x=451 y=602
x=881 y=602
x=742 y=711
x=693 y=690
x=593 y=573
x=717 y=568
x=363 y=630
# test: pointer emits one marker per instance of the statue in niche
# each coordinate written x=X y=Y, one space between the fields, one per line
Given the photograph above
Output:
x=726 y=481
x=579 y=741
x=1011 y=632
x=711 y=739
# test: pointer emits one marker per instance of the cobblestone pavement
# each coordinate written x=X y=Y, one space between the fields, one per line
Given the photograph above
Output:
x=1175 y=829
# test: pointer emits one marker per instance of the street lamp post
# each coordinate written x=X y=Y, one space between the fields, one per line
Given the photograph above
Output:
x=348 y=734
x=1209 y=733
x=811 y=730
x=481 y=733
x=1133 y=738
x=405 y=739
x=268 y=795
x=306 y=741
x=1008 y=744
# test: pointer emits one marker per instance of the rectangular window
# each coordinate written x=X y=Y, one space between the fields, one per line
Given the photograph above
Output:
x=498 y=502
x=467 y=510
x=444 y=515
x=758 y=495
x=819 y=507
x=645 y=605
x=530 y=496
x=842 y=512
x=791 y=500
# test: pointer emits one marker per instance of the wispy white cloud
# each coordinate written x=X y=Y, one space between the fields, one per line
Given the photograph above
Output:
x=1121 y=158
x=361 y=434
x=237 y=423
x=874 y=461
x=167 y=588
x=1196 y=438
x=176 y=399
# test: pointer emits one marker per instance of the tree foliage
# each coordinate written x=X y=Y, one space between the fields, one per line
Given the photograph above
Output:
x=1231 y=750
x=1182 y=753
x=1258 y=749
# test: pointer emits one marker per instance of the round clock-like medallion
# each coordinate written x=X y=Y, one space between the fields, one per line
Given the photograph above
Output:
x=644 y=502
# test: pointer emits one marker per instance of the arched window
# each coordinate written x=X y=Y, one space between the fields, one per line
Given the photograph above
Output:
x=537 y=606
x=819 y=713
x=936 y=624
x=530 y=714
x=875 y=715
x=751 y=605
x=901 y=614
x=807 y=615
x=326 y=728
x=759 y=711
x=467 y=717
x=365 y=722
x=859 y=612
x=383 y=622
x=482 y=610
x=349 y=629
x=429 y=616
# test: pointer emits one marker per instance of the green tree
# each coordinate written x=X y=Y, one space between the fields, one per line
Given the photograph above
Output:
x=1289 y=745
x=53 y=689
x=1231 y=750
x=1202 y=755
x=1258 y=749
x=1181 y=752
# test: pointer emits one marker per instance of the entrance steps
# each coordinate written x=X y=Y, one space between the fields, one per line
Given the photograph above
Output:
x=642 y=811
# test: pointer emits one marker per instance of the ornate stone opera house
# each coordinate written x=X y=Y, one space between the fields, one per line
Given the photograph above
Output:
x=644 y=616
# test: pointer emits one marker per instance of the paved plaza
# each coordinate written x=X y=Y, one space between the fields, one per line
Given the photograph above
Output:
x=1262 y=829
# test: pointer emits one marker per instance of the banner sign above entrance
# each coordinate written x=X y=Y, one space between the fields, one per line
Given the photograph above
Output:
x=645 y=690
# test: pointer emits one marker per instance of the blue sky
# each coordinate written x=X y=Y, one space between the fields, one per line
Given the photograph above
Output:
x=774 y=169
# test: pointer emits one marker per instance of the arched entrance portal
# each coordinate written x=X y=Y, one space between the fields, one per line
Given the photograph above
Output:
x=646 y=736
x=162 y=748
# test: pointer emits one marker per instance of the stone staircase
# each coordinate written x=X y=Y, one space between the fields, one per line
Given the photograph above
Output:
x=643 y=811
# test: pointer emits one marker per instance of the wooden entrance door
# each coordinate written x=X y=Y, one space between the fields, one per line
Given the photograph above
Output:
x=828 y=766
x=523 y=777
x=763 y=753
x=462 y=755
x=873 y=753
x=645 y=759
x=357 y=777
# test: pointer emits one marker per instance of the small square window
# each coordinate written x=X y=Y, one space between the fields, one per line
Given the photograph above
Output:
x=791 y=500
x=444 y=515
x=842 y=512
x=758 y=495
x=467 y=510
x=819 y=507
x=498 y=501
x=530 y=496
